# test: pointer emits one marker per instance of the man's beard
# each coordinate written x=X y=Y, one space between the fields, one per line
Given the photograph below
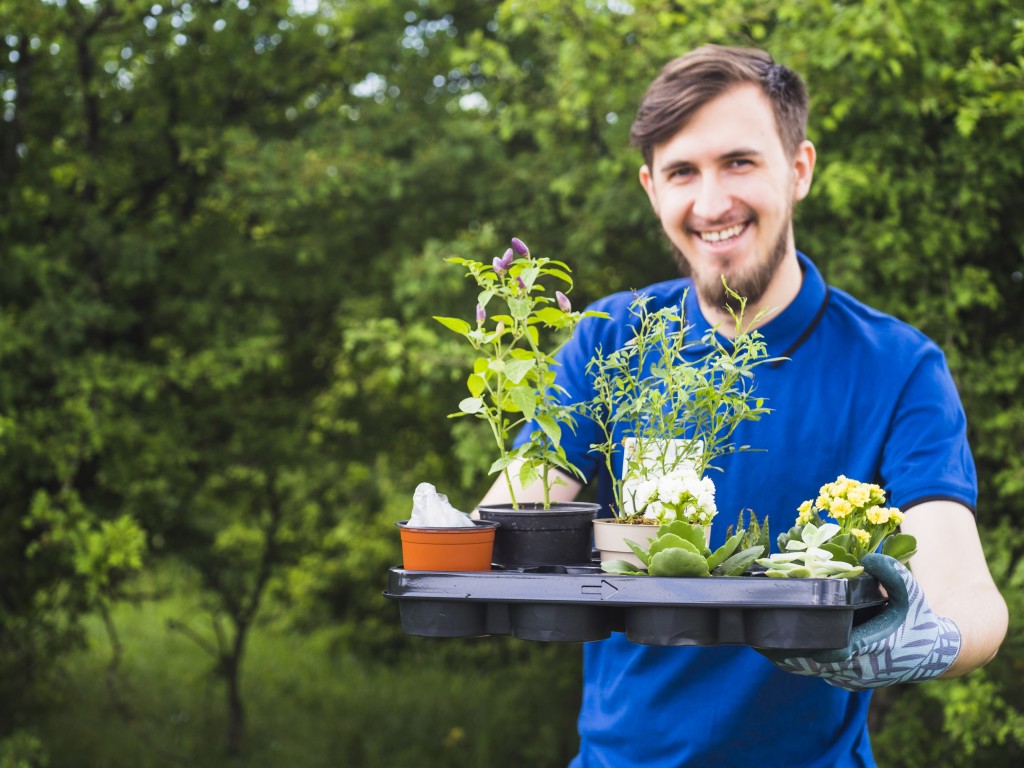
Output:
x=750 y=285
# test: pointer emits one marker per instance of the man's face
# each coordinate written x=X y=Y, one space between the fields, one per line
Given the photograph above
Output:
x=724 y=189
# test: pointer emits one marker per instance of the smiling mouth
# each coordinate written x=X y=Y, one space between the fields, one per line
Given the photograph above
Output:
x=719 y=236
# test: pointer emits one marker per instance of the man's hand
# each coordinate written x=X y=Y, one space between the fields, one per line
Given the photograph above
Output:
x=906 y=643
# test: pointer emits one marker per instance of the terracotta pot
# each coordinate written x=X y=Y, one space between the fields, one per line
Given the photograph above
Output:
x=448 y=549
x=534 y=536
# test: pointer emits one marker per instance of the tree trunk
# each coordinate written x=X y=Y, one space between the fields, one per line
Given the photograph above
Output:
x=232 y=678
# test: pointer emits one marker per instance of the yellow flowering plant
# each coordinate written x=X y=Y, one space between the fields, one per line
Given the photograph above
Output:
x=816 y=547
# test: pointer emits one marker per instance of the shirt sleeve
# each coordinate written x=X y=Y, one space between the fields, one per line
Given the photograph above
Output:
x=926 y=454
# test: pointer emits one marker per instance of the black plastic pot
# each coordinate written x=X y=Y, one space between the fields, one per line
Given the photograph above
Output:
x=534 y=536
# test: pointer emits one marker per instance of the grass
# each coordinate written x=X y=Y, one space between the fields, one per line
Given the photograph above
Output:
x=508 y=704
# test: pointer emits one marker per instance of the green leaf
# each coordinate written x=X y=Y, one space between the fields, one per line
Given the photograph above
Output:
x=839 y=553
x=471 y=405
x=692 y=533
x=500 y=464
x=677 y=561
x=528 y=474
x=780 y=565
x=519 y=308
x=639 y=551
x=793 y=534
x=815 y=536
x=525 y=400
x=621 y=568
x=476 y=385
x=528 y=275
x=551 y=428
x=850 y=574
x=461 y=327
x=563 y=276
x=723 y=552
x=738 y=563
x=845 y=541
x=791 y=573
x=900 y=546
x=551 y=316
x=670 y=540
x=516 y=370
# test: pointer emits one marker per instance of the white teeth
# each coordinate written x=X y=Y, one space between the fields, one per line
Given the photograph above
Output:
x=722 y=234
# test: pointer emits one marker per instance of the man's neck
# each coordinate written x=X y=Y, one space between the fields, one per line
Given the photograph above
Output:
x=782 y=290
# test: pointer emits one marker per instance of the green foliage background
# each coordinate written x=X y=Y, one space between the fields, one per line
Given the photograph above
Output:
x=222 y=225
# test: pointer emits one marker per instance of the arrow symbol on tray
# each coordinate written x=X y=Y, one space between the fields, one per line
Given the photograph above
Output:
x=605 y=589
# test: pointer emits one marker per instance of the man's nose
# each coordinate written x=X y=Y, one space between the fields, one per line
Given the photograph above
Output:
x=712 y=199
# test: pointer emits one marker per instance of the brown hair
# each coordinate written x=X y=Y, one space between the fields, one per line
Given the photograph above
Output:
x=687 y=83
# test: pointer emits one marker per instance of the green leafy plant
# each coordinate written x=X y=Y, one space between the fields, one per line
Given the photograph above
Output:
x=815 y=548
x=812 y=555
x=680 y=549
x=513 y=380
x=678 y=408
x=753 y=533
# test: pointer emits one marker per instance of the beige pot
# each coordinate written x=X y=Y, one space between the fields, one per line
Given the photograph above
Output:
x=610 y=539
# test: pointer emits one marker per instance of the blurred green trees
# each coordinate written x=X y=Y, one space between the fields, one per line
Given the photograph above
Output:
x=222 y=226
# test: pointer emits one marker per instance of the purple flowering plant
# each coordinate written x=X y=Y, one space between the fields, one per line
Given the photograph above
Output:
x=513 y=379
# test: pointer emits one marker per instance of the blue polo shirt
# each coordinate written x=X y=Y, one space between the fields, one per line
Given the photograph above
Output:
x=860 y=393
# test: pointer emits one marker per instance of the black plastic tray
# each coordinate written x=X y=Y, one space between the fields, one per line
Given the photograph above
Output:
x=582 y=603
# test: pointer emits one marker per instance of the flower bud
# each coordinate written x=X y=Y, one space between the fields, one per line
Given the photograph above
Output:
x=520 y=247
x=499 y=328
x=501 y=265
x=481 y=314
x=521 y=284
x=563 y=301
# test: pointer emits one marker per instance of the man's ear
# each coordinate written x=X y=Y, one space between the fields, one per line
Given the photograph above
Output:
x=647 y=182
x=803 y=169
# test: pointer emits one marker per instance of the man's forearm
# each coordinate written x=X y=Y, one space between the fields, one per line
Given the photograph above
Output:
x=565 y=490
x=950 y=566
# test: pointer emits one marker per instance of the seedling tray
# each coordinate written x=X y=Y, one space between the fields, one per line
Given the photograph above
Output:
x=582 y=603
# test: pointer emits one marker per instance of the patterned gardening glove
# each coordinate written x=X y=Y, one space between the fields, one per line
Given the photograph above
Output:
x=905 y=643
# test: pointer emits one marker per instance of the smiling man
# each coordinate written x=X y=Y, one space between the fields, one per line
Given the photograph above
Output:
x=725 y=187
x=854 y=392
x=724 y=190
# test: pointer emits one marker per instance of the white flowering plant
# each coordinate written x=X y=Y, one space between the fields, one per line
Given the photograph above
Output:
x=678 y=495
x=678 y=399
x=860 y=523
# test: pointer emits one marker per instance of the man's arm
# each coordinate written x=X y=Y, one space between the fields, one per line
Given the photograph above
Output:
x=566 y=490
x=945 y=617
x=951 y=569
